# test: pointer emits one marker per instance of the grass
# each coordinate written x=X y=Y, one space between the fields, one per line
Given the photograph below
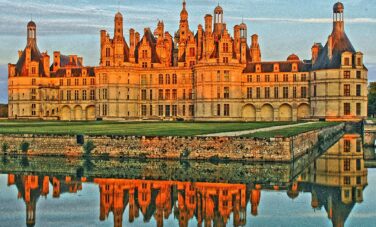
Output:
x=288 y=132
x=129 y=128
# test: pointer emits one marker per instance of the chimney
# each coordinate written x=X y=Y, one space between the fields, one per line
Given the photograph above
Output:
x=208 y=23
x=46 y=63
x=80 y=61
x=137 y=40
x=255 y=49
x=315 y=52
x=56 y=65
x=330 y=47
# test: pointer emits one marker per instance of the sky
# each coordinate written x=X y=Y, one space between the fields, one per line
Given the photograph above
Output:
x=284 y=27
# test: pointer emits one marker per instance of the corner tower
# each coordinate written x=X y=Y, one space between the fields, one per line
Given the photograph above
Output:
x=338 y=78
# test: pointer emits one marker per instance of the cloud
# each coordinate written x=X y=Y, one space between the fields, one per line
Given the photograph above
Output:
x=308 y=20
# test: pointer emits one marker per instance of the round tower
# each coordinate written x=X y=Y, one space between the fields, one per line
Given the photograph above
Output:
x=338 y=16
x=31 y=32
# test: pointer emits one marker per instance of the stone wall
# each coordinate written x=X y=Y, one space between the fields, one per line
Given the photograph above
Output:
x=193 y=148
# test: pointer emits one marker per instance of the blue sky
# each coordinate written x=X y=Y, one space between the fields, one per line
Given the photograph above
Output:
x=284 y=27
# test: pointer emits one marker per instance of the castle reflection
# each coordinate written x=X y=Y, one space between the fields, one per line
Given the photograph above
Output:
x=336 y=181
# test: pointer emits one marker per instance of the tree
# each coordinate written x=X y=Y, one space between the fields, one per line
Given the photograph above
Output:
x=372 y=99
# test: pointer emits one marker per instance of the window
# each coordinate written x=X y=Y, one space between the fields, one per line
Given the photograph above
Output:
x=358 y=74
x=167 y=94
x=143 y=79
x=108 y=52
x=68 y=82
x=84 y=81
x=294 y=77
x=168 y=79
x=144 y=54
x=92 y=81
x=346 y=180
x=249 y=93
x=258 y=78
x=174 y=79
x=276 y=93
x=218 y=109
x=174 y=110
x=108 y=63
x=160 y=110
x=76 y=82
x=275 y=77
x=303 y=92
x=68 y=95
x=190 y=94
x=359 y=61
x=151 y=94
x=225 y=60
x=346 y=74
x=144 y=64
x=227 y=75
x=143 y=110
x=303 y=77
x=218 y=76
x=33 y=70
x=184 y=110
x=225 y=47
x=346 y=164
x=160 y=79
x=143 y=94
x=92 y=94
x=174 y=94
x=61 y=82
x=358 y=90
x=358 y=165
x=160 y=94
x=258 y=93
x=267 y=78
x=346 y=89
x=358 y=145
x=184 y=96
x=105 y=94
x=346 y=109
x=226 y=110
x=84 y=95
x=151 y=110
x=358 y=109
x=33 y=82
x=346 y=146
x=294 y=92
x=192 y=52
x=226 y=92
x=285 y=92
x=347 y=61
x=358 y=180
x=285 y=77
x=249 y=78
x=191 y=110
x=267 y=92
x=168 y=113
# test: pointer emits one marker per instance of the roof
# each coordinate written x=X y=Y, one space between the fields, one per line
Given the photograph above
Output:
x=341 y=44
x=31 y=24
x=35 y=56
x=338 y=8
x=268 y=67
x=75 y=72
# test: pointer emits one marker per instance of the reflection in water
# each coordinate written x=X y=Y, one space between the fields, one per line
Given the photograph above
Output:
x=336 y=181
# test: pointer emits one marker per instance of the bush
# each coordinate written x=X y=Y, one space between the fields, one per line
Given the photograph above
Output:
x=25 y=146
x=5 y=148
x=88 y=147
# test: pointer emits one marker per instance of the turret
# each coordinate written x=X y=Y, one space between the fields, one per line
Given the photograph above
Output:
x=218 y=19
x=31 y=33
x=338 y=17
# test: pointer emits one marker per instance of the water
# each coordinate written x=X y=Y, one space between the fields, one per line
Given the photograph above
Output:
x=335 y=189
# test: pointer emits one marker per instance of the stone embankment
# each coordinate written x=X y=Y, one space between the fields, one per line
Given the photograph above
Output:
x=192 y=148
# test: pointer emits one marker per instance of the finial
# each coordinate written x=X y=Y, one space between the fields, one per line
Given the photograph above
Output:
x=118 y=5
x=184 y=3
x=242 y=19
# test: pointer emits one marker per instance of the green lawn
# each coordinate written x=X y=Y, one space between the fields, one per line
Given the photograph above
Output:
x=129 y=128
x=288 y=132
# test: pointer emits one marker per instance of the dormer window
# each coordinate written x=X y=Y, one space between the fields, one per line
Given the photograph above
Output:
x=358 y=61
x=258 y=68
x=347 y=61
x=144 y=54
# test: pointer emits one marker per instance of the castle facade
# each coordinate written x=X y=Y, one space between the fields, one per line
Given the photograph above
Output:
x=206 y=75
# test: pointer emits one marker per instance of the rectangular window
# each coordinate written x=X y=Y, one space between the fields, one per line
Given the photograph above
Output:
x=346 y=164
x=346 y=74
x=303 y=77
x=294 y=92
x=183 y=110
x=294 y=78
x=151 y=110
x=174 y=79
x=160 y=94
x=358 y=109
x=227 y=75
x=184 y=97
x=151 y=94
x=160 y=110
x=143 y=80
x=61 y=82
x=168 y=79
x=359 y=146
x=76 y=82
x=358 y=74
x=191 y=110
x=68 y=95
x=190 y=94
x=267 y=78
x=218 y=92
x=276 y=93
x=192 y=52
x=285 y=92
x=218 y=76
x=68 y=82
x=347 y=61
x=258 y=93
x=168 y=108
x=314 y=91
x=144 y=54
x=218 y=109
x=346 y=89
x=92 y=81
x=358 y=180
x=226 y=110
x=249 y=93
x=143 y=110
x=303 y=92
x=346 y=109
x=167 y=94
x=33 y=81
x=84 y=82
x=84 y=95
x=258 y=78
x=358 y=90
x=174 y=110
x=143 y=94
x=285 y=77
x=160 y=79
x=92 y=94
x=346 y=180
x=275 y=77
x=358 y=165
x=346 y=146
x=267 y=92
x=226 y=92
x=249 y=78
x=174 y=94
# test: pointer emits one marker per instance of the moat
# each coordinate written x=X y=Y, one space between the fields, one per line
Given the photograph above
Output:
x=330 y=188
